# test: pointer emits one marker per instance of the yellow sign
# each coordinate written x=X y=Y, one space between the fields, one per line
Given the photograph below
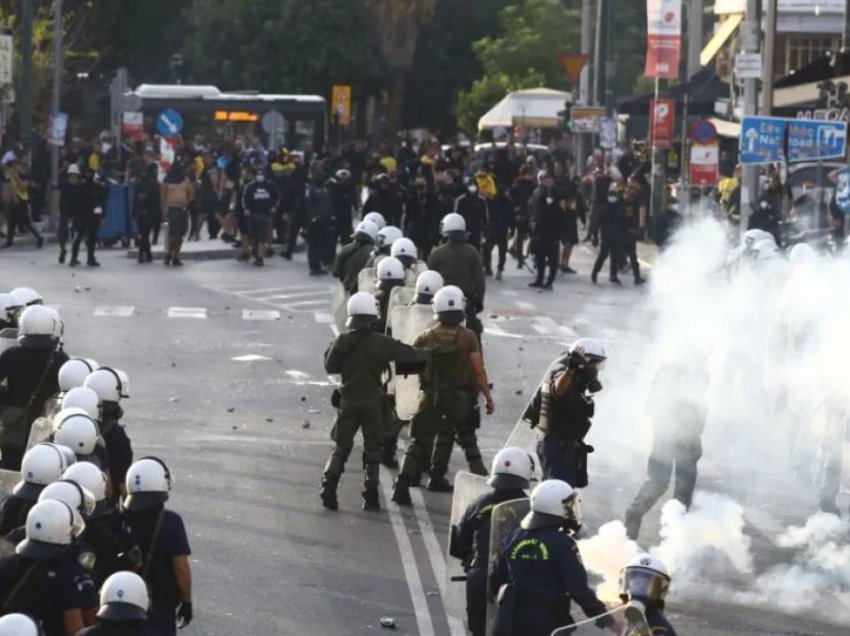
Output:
x=236 y=115
x=341 y=103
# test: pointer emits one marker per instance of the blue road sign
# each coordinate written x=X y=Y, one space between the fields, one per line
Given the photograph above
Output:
x=810 y=140
x=763 y=139
x=169 y=123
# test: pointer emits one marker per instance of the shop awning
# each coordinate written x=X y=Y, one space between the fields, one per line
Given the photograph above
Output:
x=728 y=129
x=720 y=37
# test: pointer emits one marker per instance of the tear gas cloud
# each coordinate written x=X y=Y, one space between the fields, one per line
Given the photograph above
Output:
x=759 y=343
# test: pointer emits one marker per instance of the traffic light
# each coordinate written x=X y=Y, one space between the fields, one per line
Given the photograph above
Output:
x=567 y=115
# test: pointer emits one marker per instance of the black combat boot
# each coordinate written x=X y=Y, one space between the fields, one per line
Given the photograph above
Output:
x=401 y=491
x=632 y=523
x=439 y=484
x=388 y=449
x=370 y=498
x=328 y=492
x=477 y=467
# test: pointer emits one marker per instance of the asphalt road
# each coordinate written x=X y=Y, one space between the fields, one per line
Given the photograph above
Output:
x=228 y=388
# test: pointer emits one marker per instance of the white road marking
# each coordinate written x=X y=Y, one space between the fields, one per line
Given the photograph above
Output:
x=251 y=357
x=493 y=329
x=435 y=555
x=545 y=325
x=297 y=375
x=304 y=303
x=260 y=314
x=323 y=317
x=288 y=296
x=408 y=560
x=523 y=304
x=187 y=312
x=508 y=292
x=118 y=311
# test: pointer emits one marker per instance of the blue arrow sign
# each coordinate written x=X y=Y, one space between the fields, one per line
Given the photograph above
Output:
x=815 y=140
x=169 y=123
x=762 y=139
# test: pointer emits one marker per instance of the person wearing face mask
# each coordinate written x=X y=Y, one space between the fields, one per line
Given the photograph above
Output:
x=473 y=208
x=562 y=409
x=260 y=199
x=610 y=216
x=422 y=216
x=546 y=229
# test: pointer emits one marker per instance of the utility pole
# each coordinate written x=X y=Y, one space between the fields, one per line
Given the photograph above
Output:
x=598 y=59
x=56 y=104
x=751 y=41
x=584 y=80
x=695 y=30
x=26 y=74
x=767 y=71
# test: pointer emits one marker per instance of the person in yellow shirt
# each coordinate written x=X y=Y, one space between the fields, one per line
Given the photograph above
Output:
x=486 y=184
x=19 y=215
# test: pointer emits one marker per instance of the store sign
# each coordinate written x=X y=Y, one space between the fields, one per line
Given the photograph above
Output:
x=704 y=166
x=236 y=115
x=661 y=124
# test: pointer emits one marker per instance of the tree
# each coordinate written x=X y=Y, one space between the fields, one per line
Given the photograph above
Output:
x=399 y=23
x=525 y=55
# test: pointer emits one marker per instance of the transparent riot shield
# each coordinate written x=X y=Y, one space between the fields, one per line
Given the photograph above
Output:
x=408 y=321
x=400 y=296
x=8 y=339
x=52 y=406
x=468 y=488
x=41 y=430
x=504 y=519
x=339 y=300
x=412 y=273
x=367 y=280
x=631 y=615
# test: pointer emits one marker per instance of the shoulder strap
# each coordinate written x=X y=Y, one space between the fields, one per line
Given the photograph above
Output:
x=154 y=537
x=41 y=380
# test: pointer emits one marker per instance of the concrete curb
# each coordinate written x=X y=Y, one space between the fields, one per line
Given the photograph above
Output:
x=205 y=255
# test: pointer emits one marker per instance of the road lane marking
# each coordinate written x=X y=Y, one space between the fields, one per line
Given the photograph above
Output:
x=117 y=311
x=187 y=312
x=260 y=314
x=408 y=560
x=304 y=294
x=545 y=325
x=251 y=357
x=323 y=317
x=493 y=329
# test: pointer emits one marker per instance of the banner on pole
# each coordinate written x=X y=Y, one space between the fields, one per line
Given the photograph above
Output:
x=664 y=38
x=662 y=122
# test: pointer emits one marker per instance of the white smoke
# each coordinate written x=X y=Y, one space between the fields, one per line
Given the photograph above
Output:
x=605 y=554
x=760 y=344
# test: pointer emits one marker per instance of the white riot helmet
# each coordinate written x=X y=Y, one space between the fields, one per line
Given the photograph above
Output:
x=26 y=296
x=38 y=326
x=8 y=309
x=512 y=469
x=751 y=237
x=88 y=476
x=588 y=350
x=148 y=483
x=404 y=250
x=73 y=373
x=388 y=235
x=552 y=503
x=367 y=232
x=71 y=493
x=453 y=226
x=42 y=464
x=449 y=305
x=82 y=398
x=390 y=272
x=51 y=527
x=106 y=382
x=801 y=254
x=645 y=578
x=428 y=283
x=19 y=625
x=342 y=174
x=124 y=388
x=377 y=218
x=123 y=598
x=58 y=323
x=77 y=432
x=765 y=250
x=363 y=310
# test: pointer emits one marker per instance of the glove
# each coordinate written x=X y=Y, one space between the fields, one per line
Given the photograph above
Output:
x=184 y=614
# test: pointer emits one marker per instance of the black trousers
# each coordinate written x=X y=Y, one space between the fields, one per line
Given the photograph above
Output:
x=64 y=231
x=318 y=237
x=666 y=455
x=501 y=243
x=19 y=216
x=296 y=220
x=607 y=248
x=144 y=226
x=546 y=254
x=630 y=252
x=85 y=228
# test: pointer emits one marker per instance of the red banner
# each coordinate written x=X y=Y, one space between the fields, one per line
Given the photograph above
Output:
x=704 y=165
x=664 y=38
x=662 y=120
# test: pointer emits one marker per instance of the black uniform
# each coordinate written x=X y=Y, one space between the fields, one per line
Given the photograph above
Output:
x=259 y=200
x=50 y=588
x=521 y=193
x=117 y=445
x=471 y=544
x=608 y=217
x=73 y=197
x=422 y=219
x=87 y=220
x=473 y=208
x=147 y=210
x=629 y=231
x=344 y=200
x=547 y=223
x=27 y=371
x=15 y=508
x=108 y=628
x=386 y=201
x=318 y=216
x=170 y=541
x=500 y=227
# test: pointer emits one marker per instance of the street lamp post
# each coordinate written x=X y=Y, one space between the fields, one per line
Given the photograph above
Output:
x=55 y=108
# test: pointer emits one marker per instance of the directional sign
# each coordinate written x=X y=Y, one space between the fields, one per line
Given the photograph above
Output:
x=815 y=140
x=169 y=123
x=762 y=139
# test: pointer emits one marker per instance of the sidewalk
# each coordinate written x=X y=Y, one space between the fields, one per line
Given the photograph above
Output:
x=203 y=250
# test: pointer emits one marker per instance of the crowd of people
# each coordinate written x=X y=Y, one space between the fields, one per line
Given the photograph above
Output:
x=92 y=548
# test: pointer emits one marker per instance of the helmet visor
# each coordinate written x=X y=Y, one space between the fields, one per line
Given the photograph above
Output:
x=643 y=583
x=572 y=509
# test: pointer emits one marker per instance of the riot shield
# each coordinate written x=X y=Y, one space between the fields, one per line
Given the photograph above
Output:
x=367 y=280
x=412 y=273
x=8 y=338
x=400 y=296
x=504 y=519
x=52 y=406
x=631 y=615
x=41 y=430
x=339 y=300
x=468 y=488
x=407 y=322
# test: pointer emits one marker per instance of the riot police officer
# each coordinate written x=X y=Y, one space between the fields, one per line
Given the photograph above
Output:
x=111 y=386
x=82 y=398
x=540 y=561
x=353 y=256
x=460 y=265
x=161 y=537
x=562 y=409
x=472 y=207
x=387 y=235
x=390 y=274
x=405 y=251
x=546 y=230
x=260 y=199
x=318 y=215
x=428 y=283
x=375 y=217
x=80 y=433
x=510 y=475
x=643 y=585
x=360 y=356
x=344 y=198
x=19 y=625
x=124 y=603
x=450 y=385
x=42 y=579
x=31 y=371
